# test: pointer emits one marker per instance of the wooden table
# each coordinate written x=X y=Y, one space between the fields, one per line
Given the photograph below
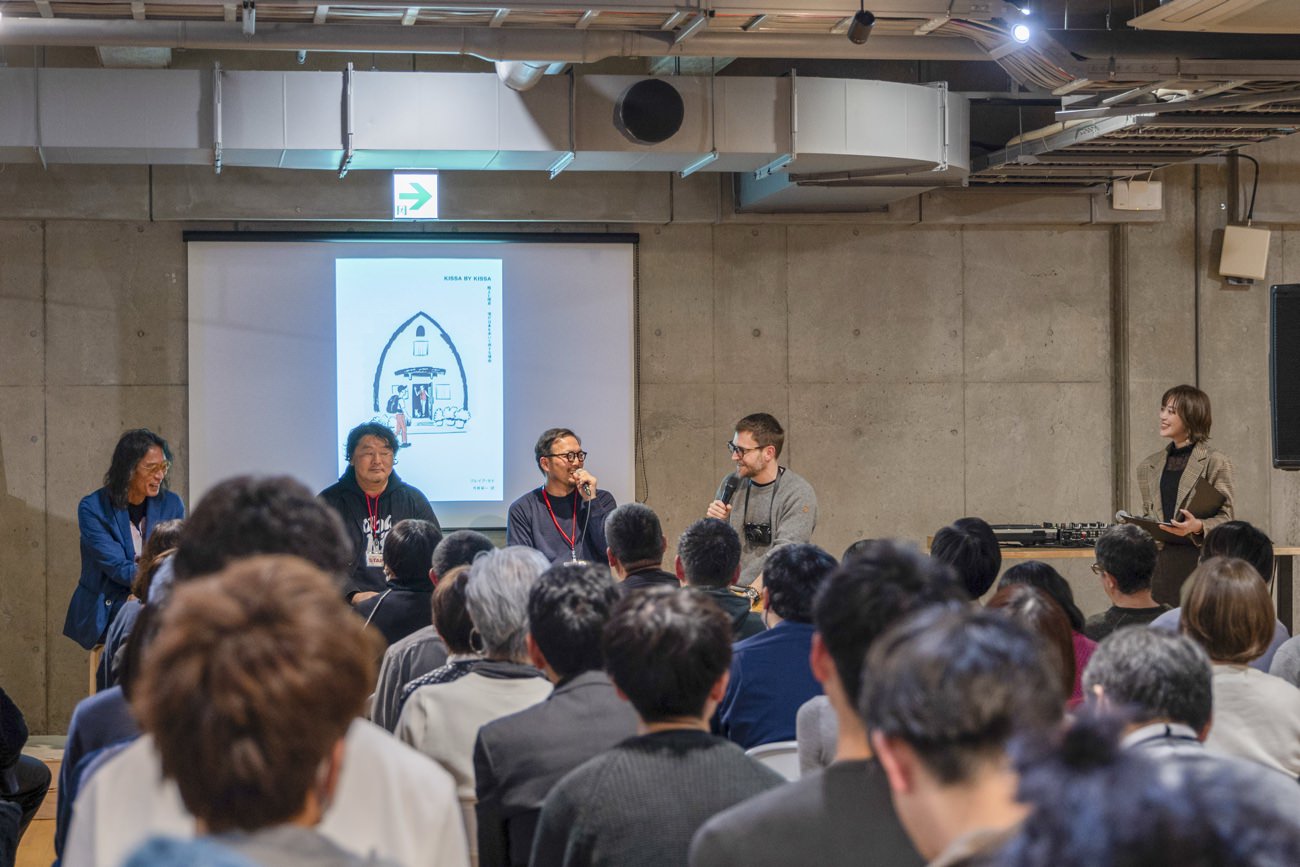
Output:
x=1283 y=574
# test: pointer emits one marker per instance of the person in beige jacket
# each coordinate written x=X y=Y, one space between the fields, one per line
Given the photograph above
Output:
x=1167 y=479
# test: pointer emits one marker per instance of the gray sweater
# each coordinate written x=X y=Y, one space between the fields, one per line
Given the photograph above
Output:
x=792 y=514
x=639 y=804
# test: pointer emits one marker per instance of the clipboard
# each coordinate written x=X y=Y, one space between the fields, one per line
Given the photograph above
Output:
x=1206 y=500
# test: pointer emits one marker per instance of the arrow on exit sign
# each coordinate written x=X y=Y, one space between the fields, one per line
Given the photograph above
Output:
x=415 y=196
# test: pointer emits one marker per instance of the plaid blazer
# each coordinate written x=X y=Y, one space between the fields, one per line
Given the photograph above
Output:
x=1204 y=461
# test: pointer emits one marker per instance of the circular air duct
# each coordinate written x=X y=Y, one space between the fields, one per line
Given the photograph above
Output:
x=649 y=112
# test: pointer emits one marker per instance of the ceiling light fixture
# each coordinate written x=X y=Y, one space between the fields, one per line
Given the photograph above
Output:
x=863 y=21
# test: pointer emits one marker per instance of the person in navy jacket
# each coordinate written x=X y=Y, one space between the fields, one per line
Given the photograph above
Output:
x=114 y=522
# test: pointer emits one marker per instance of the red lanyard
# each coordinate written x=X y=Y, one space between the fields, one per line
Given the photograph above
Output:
x=374 y=516
x=572 y=540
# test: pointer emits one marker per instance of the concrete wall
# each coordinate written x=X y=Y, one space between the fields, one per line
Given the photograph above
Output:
x=963 y=353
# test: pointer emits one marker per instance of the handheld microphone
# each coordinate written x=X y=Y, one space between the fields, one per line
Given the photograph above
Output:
x=729 y=486
x=586 y=490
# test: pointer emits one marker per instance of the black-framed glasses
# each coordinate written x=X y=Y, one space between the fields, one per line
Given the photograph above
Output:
x=740 y=451
x=571 y=457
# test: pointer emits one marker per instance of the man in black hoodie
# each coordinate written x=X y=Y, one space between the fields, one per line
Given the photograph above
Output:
x=370 y=498
x=708 y=560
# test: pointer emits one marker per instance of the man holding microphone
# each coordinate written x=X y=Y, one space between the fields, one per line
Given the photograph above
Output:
x=771 y=505
x=565 y=517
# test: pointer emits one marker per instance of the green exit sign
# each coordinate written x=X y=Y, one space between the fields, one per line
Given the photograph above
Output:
x=415 y=196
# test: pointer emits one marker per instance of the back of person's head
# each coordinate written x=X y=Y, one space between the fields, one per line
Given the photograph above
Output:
x=1150 y=675
x=450 y=615
x=1038 y=612
x=131 y=657
x=1128 y=553
x=765 y=430
x=634 y=534
x=1243 y=541
x=568 y=608
x=958 y=687
x=665 y=650
x=858 y=547
x=160 y=545
x=1092 y=803
x=883 y=582
x=1038 y=574
x=255 y=676
x=970 y=548
x=710 y=553
x=250 y=515
x=1227 y=610
x=458 y=548
x=497 y=598
x=408 y=553
x=791 y=576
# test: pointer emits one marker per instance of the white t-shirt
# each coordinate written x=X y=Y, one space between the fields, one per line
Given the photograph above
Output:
x=391 y=801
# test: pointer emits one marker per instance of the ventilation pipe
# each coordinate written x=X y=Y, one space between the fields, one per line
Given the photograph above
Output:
x=521 y=75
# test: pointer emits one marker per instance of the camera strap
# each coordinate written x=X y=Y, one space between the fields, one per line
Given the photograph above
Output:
x=771 y=505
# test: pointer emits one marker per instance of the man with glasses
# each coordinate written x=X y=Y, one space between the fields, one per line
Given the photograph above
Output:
x=371 y=498
x=565 y=517
x=773 y=505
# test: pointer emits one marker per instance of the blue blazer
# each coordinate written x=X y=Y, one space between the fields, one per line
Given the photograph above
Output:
x=108 y=561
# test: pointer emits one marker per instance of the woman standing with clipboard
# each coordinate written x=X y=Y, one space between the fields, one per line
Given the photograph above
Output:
x=1167 y=481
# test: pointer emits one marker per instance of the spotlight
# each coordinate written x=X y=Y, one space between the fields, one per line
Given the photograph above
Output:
x=860 y=29
x=1021 y=33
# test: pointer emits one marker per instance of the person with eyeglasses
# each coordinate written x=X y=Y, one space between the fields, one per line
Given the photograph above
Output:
x=565 y=517
x=114 y=523
x=775 y=505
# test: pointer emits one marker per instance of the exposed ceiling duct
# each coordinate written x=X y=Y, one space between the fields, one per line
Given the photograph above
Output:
x=812 y=133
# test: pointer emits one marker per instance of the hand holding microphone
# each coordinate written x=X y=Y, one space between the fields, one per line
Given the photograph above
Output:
x=721 y=507
x=586 y=483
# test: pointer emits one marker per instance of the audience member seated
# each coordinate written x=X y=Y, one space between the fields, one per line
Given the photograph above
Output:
x=970 y=548
x=638 y=804
x=1245 y=542
x=1038 y=574
x=1091 y=803
x=858 y=547
x=1159 y=685
x=1126 y=559
x=390 y=801
x=257 y=758
x=947 y=695
x=24 y=780
x=103 y=721
x=636 y=547
x=770 y=675
x=708 y=561
x=455 y=629
x=442 y=720
x=1286 y=662
x=1038 y=612
x=518 y=759
x=1227 y=610
x=11 y=820
x=160 y=545
x=842 y=814
x=405 y=604
x=422 y=651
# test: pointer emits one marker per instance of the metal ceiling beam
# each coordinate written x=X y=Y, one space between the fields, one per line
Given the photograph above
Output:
x=975 y=9
x=571 y=45
x=1239 y=100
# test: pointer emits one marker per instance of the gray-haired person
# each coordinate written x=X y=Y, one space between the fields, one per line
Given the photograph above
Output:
x=442 y=720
